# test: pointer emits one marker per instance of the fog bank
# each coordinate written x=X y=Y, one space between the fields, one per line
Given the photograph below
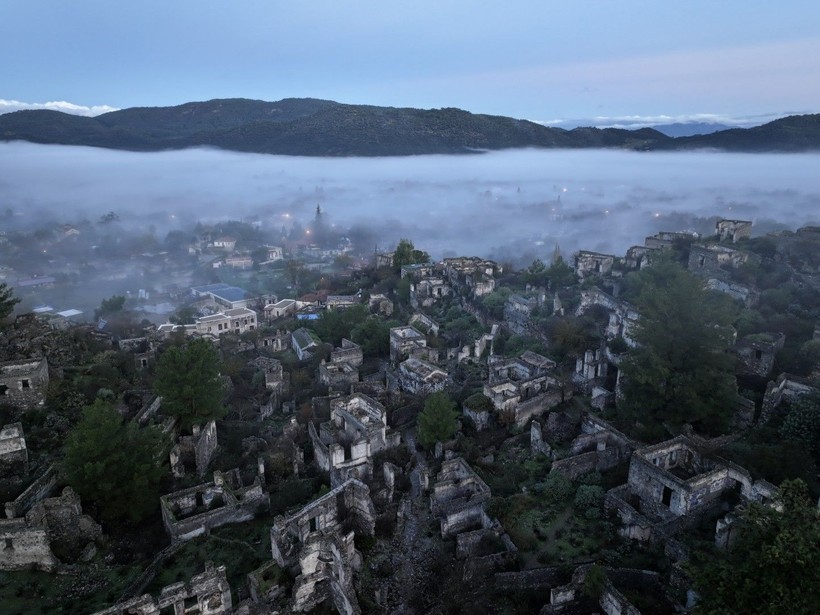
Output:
x=509 y=205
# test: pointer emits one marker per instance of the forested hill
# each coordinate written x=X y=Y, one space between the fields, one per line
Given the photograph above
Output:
x=311 y=127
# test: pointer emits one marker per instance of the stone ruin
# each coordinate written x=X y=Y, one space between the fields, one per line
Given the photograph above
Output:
x=207 y=593
x=195 y=511
x=733 y=229
x=419 y=377
x=782 y=392
x=523 y=387
x=599 y=447
x=23 y=384
x=756 y=353
x=344 y=446
x=459 y=497
x=676 y=484
x=194 y=451
x=593 y=263
x=317 y=545
x=52 y=532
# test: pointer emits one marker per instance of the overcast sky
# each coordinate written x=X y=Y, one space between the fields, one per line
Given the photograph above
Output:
x=539 y=59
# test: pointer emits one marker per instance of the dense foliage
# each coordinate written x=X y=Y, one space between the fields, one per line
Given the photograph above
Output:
x=188 y=381
x=680 y=371
x=773 y=567
x=437 y=422
x=114 y=464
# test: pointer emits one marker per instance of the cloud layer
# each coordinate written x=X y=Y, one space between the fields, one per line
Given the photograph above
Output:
x=7 y=106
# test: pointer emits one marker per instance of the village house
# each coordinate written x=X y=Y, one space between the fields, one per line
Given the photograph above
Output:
x=342 y=302
x=225 y=243
x=222 y=296
x=239 y=261
x=380 y=304
x=275 y=253
x=428 y=291
x=280 y=309
x=13 y=452
x=239 y=320
x=303 y=342
x=714 y=261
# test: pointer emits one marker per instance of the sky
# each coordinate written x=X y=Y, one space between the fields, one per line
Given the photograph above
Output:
x=615 y=63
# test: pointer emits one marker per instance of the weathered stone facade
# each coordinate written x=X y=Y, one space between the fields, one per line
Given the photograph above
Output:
x=316 y=544
x=23 y=384
x=593 y=263
x=195 y=450
x=403 y=341
x=357 y=430
x=13 y=452
x=756 y=353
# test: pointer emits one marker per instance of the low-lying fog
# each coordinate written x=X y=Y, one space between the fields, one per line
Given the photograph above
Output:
x=512 y=205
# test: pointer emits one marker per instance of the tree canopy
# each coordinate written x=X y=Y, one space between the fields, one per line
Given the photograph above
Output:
x=772 y=568
x=406 y=254
x=114 y=464
x=188 y=381
x=7 y=301
x=437 y=422
x=680 y=372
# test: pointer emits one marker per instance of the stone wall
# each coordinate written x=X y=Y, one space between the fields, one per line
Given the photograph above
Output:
x=23 y=547
x=41 y=488
x=207 y=593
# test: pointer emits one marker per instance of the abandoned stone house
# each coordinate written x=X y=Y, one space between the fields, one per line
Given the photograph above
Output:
x=667 y=239
x=317 y=545
x=195 y=451
x=715 y=261
x=733 y=229
x=274 y=341
x=756 y=353
x=380 y=304
x=403 y=341
x=338 y=376
x=53 y=531
x=426 y=323
x=383 y=259
x=675 y=484
x=781 y=393
x=459 y=497
x=207 y=593
x=23 y=384
x=344 y=446
x=428 y=291
x=593 y=263
x=239 y=320
x=522 y=388
x=195 y=511
x=518 y=311
x=419 y=377
x=474 y=276
x=347 y=352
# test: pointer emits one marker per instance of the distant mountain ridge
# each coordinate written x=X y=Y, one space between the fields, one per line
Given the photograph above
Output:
x=312 y=127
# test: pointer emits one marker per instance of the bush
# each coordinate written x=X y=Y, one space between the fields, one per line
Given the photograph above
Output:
x=589 y=496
